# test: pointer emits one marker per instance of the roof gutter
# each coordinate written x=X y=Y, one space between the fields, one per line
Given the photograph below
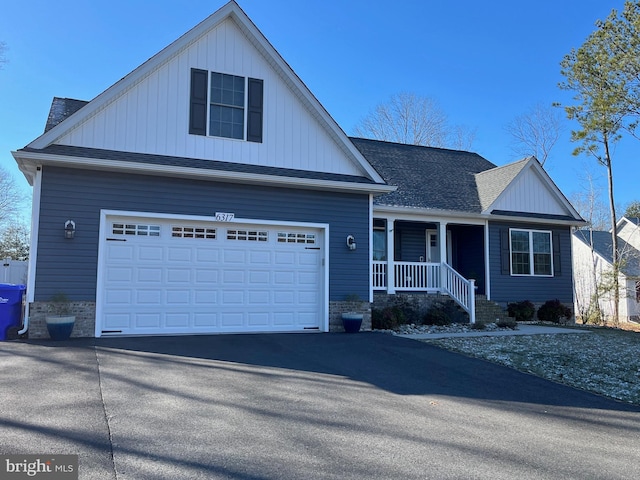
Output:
x=28 y=161
x=470 y=216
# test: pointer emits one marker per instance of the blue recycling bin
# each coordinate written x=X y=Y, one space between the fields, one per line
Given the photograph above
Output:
x=10 y=307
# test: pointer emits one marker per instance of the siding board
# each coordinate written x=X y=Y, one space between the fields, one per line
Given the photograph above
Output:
x=71 y=265
x=507 y=288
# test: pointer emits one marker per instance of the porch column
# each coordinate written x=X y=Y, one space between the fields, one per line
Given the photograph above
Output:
x=442 y=239
x=391 y=271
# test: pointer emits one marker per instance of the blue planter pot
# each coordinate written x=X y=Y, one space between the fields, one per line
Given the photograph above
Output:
x=352 y=322
x=60 y=328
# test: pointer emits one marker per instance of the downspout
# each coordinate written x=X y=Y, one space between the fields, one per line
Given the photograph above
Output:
x=33 y=248
x=25 y=324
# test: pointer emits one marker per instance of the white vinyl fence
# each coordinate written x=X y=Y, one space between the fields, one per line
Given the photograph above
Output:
x=14 y=271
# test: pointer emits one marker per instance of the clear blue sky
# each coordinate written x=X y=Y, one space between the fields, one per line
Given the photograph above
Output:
x=485 y=62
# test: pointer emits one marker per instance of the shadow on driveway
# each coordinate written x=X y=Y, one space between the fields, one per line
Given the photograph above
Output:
x=397 y=365
x=281 y=406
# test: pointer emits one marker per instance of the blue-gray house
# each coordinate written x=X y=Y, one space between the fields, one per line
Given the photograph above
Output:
x=208 y=191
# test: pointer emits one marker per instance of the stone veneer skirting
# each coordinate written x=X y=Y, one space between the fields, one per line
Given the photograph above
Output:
x=336 y=309
x=85 y=313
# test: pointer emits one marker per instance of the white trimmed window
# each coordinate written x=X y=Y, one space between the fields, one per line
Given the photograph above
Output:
x=531 y=252
x=224 y=105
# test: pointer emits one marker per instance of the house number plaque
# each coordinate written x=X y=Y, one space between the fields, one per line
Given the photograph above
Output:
x=224 y=217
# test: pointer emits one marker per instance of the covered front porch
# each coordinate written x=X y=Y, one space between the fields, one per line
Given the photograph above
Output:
x=431 y=256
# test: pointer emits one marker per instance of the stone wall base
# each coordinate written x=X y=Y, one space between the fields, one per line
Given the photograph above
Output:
x=85 y=313
x=336 y=309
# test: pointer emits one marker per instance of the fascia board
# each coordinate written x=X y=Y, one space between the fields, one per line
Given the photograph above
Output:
x=545 y=221
x=410 y=213
x=478 y=218
x=28 y=161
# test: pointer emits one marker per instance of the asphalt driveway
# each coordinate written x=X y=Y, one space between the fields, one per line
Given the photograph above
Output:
x=316 y=406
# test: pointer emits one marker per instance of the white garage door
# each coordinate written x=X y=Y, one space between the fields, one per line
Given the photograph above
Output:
x=177 y=277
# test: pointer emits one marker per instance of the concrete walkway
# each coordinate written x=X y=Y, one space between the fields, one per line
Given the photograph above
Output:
x=522 y=330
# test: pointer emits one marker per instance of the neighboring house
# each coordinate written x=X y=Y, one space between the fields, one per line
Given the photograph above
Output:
x=208 y=191
x=593 y=267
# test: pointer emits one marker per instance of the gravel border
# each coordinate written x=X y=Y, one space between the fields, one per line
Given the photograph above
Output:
x=606 y=362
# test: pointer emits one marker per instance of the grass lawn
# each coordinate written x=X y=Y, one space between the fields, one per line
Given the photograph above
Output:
x=605 y=361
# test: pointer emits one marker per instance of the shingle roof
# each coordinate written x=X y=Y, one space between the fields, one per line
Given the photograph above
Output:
x=602 y=245
x=61 y=108
x=491 y=183
x=426 y=177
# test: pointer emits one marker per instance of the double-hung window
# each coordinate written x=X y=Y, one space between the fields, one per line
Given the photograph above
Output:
x=226 y=109
x=223 y=105
x=531 y=252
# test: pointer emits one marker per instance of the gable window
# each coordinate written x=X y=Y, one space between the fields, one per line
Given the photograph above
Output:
x=226 y=112
x=227 y=106
x=531 y=252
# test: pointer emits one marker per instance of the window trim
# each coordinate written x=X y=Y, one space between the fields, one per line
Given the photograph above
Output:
x=200 y=103
x=530 y=233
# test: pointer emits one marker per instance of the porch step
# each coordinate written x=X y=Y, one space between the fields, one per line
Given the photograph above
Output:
x=488 y=311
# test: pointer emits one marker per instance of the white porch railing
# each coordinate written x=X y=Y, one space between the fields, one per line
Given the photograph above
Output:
x=428 y=277
x=463 y=291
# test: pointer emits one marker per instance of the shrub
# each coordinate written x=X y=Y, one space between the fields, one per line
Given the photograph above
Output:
x=387 y=318
x=553 y=311
x=478 y=326
x=436 y=316
x=507 y=323
x=522 y=311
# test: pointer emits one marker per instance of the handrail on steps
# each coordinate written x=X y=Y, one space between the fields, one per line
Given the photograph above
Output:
x=461 y=290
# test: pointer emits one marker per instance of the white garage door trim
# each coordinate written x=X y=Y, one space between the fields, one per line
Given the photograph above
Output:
x=106 y=229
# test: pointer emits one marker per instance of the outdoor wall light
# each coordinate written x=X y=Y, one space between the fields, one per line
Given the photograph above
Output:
x=351 y=242
x=69 y=229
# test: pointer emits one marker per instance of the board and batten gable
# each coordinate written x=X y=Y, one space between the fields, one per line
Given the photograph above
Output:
x=506 y=288
x=82 y=194
x=530 y=193
x=152 y=115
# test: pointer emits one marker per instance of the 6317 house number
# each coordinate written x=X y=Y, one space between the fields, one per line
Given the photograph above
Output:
x=224 y=217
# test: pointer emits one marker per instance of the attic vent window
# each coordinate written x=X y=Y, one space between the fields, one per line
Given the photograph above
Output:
x=227 y=106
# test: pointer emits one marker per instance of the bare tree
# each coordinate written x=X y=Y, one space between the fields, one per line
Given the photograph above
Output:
x=589 y=202
x=536 y=132
x=14 y=241
x=415 y=120
x=12 y=199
